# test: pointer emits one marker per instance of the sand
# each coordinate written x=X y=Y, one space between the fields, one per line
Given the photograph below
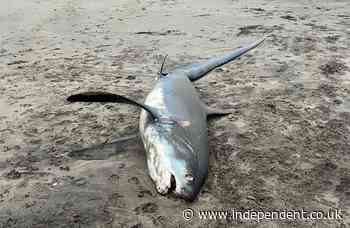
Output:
x=286 y=146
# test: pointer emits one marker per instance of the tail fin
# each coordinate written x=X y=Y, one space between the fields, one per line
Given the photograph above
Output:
x=201 y=70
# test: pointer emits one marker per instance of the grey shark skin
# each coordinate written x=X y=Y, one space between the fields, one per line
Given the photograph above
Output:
x=173 y=126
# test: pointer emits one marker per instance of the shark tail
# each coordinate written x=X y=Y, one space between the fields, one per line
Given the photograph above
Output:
x=198 y=71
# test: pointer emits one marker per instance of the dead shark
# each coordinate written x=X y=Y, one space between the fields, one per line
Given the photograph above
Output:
x=173 y=125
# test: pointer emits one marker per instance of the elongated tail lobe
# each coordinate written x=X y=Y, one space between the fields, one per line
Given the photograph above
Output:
x=201 y=70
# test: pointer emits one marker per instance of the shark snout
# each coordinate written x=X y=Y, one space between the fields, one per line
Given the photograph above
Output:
x=187 y=194
x=187 y=188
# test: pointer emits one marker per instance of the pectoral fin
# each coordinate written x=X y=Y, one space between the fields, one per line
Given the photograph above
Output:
x=213 y=112
x=111 y=98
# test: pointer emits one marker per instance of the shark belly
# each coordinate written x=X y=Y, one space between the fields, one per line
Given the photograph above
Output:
x=177 y=101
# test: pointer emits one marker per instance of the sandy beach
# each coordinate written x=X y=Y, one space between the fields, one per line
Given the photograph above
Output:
x=286 y=146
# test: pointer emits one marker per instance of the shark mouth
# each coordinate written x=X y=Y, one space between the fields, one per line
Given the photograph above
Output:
x=172 y=183
x=168 y=186
x=165 y=182
x=172 y=187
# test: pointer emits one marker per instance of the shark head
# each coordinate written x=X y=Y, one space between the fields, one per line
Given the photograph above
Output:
x=172 y=161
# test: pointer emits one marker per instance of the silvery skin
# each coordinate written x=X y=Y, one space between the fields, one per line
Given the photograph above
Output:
x=173 y=126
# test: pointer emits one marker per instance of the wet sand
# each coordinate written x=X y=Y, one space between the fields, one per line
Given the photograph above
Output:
x=286 y=146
